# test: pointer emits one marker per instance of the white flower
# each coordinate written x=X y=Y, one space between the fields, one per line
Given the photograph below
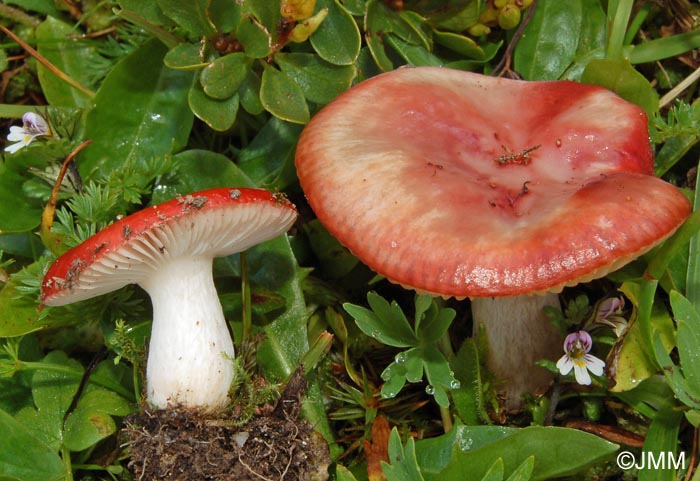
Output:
x=33 y=125
x=576 y=348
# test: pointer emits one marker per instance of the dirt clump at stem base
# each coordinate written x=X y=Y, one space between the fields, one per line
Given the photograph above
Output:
x=185 y=444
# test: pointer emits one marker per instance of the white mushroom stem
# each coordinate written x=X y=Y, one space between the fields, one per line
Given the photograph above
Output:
x=518 y=334
x=191 y=351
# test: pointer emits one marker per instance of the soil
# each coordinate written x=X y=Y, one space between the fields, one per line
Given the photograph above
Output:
x=182 y=444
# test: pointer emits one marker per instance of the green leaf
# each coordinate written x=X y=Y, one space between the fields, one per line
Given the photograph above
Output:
x=629 y=361
x=320 y=81
x=432 y=329
x=223 y=77
x=662 y=440
x=71 y=56
x=687 y=337
x=524 y=471
x=334 y=259
x=468 y=398
x=385 y=322
x=557 y=452
x=18 y=213
x=92 y=421
x=204 y=169
x=339 y=24
x=550 y=40
x=495 y=472
x=377 y=22
x=186 y=56
x=415 y=55
x=461 y=44
x=140 y=112
x=250 y=94
x=220 y=115
x=53 y=391
x=255 y=40
x=20 y=315
x=403 y=465
x=26 y=457
x=269 y=159
x=620 y=77
x=283 y=97
x=666 y=47
x=192 y=15
x=343 y=474
x=434 y=454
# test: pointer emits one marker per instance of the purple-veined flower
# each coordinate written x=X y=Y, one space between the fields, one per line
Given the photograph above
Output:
x=33 y=126
x=576 y=348
x=608 y=313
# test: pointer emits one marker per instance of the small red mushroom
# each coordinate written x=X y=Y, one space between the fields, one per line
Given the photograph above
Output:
x=503 y=191
x=168 y=250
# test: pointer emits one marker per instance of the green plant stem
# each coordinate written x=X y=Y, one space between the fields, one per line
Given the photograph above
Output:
x=65 y=456
x=245 y=301
x=618 y=17
x=43 y=366
x=49 y=66
x=167 y=38
x=17 y=15
x=637 y=22
x=445 y=346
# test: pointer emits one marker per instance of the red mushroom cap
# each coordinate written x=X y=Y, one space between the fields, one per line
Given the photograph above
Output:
x=210 y=223
x=464 y=185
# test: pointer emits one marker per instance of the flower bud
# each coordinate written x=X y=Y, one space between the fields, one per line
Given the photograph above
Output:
x=303 y=30
x=509 y=17
x=478 y=30
x=297 y=9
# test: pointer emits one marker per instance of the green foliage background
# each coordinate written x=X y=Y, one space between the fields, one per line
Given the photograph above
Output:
x=177 y=96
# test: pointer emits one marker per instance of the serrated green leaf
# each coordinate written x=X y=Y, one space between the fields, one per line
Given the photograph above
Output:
x=71 y=56
x=320 y=81
x=186 y=56
x=282 y=96
x=339 y=24
x=140 y=112
x=219 y=114
x=26 y=457
x=550 y=40
x=222 y=78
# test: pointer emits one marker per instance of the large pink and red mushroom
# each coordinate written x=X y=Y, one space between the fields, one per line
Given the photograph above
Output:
x=505 y=192
x=168 y=250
